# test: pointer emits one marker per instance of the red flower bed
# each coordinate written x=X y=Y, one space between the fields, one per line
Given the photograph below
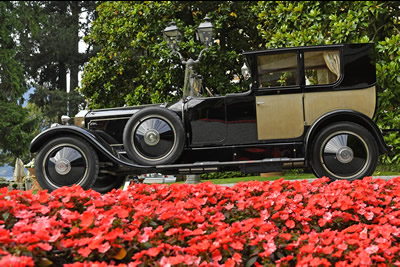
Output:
x=256 y=223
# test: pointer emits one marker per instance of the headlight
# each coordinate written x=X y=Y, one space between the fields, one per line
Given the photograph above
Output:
x=65 y=119
x=79 y=119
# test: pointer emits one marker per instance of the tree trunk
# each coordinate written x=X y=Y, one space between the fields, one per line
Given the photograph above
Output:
x=62 y=77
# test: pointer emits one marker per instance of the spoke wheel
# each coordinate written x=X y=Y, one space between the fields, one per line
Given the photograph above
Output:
x=66 y=161
x=344 y=151
x=154 y=136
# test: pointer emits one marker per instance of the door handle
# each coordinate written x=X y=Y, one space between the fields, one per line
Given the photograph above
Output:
x=260 y=102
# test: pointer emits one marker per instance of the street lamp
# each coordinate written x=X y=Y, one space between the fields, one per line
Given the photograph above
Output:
x=205 y=33
x=172 y=35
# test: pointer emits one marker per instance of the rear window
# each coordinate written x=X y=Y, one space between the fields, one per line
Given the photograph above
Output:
x=322 y=67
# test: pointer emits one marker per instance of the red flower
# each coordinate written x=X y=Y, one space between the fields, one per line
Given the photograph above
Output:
x=152 y=252
x=85 y=251
x=290 y=224
x=87 y=219
x=15 y=261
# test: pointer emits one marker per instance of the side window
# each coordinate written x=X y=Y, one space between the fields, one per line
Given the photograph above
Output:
x=277 y=70
x=322 y=67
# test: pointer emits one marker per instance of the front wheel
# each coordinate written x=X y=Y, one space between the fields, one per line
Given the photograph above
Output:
x=344 y=150
x=66 y=161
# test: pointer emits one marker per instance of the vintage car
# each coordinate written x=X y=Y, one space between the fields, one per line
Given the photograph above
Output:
x=308 y=107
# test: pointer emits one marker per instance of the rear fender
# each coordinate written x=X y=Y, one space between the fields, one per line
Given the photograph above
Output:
x=345 y=115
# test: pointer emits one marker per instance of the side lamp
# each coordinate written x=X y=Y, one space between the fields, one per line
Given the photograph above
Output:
x=245 y=71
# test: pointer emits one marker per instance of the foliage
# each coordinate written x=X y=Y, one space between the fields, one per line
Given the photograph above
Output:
x=16 y=127
x=221 y=175
x=388 y=112
x=254 y=223
x=12 y=79
x=4 y=182
x=17 y=130
x=297 y=23
x=50 y=49
x=55 y=103
x=134 y=64
x=50 y=40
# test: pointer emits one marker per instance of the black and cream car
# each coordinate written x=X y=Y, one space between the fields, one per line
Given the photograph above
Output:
x=306 y=107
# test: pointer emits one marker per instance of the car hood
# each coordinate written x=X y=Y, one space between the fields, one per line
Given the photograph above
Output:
x=116 y=112
x=127 y=111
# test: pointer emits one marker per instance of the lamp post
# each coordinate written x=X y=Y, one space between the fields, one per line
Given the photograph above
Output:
x=172 y=35
x=205 y=33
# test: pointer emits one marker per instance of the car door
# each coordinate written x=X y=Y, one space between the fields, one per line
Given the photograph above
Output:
x=279 y=96
x=205 y=120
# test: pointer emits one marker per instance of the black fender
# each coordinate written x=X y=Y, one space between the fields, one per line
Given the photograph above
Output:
x=345 y=115
x=91 y=137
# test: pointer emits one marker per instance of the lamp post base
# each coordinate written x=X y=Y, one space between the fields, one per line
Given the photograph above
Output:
x=192 y=179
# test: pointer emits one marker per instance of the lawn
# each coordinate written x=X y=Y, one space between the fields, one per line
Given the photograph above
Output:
x=295 y=175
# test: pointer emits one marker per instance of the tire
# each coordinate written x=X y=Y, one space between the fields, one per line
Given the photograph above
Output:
x=66 y=161
x=154 y=136
x=106 y=183
x=344 y=151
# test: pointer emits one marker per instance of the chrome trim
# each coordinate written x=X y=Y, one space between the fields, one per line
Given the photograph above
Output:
x=136 y=127
x=151 y=137
x=345 y=154
x=63 y=166
x=113 y=119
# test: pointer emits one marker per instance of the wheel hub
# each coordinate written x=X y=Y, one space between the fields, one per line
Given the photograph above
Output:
x=151 y=137
x=345 y=154
x=63 y=166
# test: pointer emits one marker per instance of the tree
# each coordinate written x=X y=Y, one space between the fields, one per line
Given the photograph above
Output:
x=51 y=44
x=55 y=103
x=134 y=64
x=16 y=127
x=50 y=49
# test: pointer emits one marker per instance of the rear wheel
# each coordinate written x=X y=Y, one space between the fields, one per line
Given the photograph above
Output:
x=66 y=161
x=344 y=150
x=106 y=183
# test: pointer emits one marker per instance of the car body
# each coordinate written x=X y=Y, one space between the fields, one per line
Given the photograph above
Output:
x=308 y=106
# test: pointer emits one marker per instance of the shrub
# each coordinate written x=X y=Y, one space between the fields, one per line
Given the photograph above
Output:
x=4 y=182
x=254 y=223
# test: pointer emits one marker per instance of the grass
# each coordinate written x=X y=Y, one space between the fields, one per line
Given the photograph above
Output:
x=299 y=174
x=286 y=176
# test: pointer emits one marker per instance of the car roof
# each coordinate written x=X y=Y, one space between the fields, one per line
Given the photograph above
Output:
x=296 y=48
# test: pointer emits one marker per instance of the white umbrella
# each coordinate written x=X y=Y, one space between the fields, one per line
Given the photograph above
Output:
x=19 y=171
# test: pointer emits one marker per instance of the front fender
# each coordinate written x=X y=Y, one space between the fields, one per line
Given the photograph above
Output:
x=58 y=131
x=91 y=137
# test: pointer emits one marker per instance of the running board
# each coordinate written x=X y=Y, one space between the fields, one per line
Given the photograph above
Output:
x=247 y=166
